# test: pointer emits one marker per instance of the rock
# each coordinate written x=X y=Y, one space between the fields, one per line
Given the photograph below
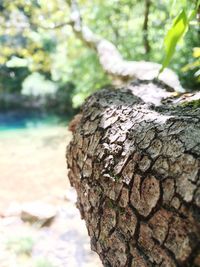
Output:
x=14 y=209
x=38 y=212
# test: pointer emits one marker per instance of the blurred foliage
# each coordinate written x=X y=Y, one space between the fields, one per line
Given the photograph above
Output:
x=43 y=262
x=21 y=244
x=35 y=38
x=32 y=84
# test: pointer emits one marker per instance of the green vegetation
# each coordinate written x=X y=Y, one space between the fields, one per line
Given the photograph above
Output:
x=40 y=54
x=20 y=244
x=22 y=247
x=178 y=29
x=42 y=262
x=193 y=103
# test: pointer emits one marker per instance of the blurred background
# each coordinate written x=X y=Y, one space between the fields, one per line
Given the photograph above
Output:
x=45 y=75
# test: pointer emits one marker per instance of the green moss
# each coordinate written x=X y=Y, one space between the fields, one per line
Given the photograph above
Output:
x=111 y=204
x=117 y=178
x=121 y=210
x=193 y=104
x=102 y=240
x=114 y=176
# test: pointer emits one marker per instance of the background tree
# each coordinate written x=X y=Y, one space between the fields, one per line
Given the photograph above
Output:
x=35 y=37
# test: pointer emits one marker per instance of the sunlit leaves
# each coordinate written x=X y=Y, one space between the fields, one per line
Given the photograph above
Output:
x=27 y=32
x=195 y=64
x=174 y=35
x=196 y=52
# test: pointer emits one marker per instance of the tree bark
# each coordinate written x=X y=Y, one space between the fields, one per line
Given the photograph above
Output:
x=136 y=168
x=135 y=163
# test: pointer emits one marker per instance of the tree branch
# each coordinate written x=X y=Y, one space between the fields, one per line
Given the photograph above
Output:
x=145 y=27
x=57 y=26
x=36 y=25
x=82 y=32
x=112 y=61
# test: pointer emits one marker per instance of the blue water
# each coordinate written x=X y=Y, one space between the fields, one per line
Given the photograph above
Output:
x=26 y=120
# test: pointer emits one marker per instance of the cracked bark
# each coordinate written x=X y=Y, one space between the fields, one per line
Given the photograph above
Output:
x=136 y=169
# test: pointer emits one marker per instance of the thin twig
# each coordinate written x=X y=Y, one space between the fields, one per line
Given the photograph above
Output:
x=145 y=27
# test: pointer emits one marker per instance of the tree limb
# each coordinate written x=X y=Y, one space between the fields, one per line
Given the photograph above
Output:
x=135 y=167
x=145 y=27
x=112 y=61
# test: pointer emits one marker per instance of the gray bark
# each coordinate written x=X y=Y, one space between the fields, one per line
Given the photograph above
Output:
x=136 y=169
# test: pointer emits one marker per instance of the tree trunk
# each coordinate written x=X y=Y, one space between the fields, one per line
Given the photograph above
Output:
x=135 y=167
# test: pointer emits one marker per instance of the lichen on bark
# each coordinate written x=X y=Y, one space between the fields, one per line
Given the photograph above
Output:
x=136 y=169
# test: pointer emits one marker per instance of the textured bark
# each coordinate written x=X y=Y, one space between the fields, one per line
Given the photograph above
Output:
x=135 y=167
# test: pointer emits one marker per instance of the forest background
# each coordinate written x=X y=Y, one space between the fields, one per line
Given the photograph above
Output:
x=40 y=55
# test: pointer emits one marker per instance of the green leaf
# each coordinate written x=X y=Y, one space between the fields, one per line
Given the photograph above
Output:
x=198 y=4
x=173 y=36
x=192 y=14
